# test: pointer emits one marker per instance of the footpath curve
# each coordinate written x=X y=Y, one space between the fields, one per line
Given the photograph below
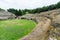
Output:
x=40 y=32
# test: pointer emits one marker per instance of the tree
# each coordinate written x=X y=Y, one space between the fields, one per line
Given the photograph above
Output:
x=15 y=11
x=2 y=9
x=20 y=13
x=58 y=5
x=51 y=7
x=33 y=11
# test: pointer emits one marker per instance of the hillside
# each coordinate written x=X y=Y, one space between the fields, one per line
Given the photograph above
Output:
x=53 y=15
x=6 y=15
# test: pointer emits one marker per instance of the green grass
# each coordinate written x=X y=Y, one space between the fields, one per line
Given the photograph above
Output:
x=15 y=29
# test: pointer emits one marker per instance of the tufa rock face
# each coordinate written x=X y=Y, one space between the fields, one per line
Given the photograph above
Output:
x=54 y=32
x=49 y=14
x=6 y=15
x=40 y=31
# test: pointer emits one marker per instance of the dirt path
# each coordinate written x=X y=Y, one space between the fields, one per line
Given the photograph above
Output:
x=40 y=32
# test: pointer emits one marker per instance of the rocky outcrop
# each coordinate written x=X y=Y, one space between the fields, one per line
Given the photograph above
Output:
x=51 y=14
x=6 y=15
x=54 y=32
x=40 y=31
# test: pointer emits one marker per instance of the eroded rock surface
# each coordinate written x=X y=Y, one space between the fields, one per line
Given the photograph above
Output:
x=40 y=32
x=54 y=32
x=6 y=15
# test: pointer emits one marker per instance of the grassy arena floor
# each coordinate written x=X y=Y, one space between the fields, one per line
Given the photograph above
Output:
x=15 y=29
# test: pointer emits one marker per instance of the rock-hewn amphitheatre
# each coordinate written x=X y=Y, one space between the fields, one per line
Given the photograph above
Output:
x=48 y=27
